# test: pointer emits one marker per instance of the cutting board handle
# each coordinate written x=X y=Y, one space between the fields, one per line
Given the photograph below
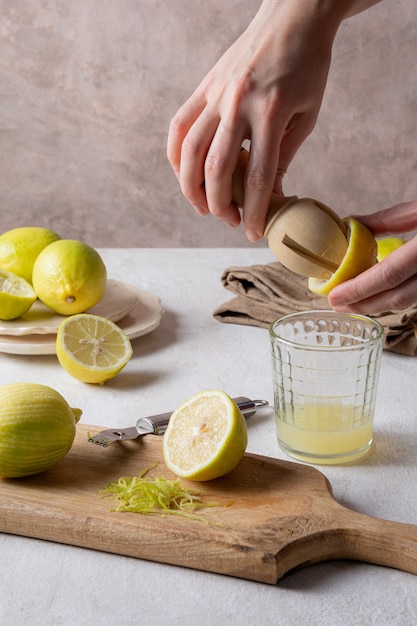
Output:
x=352 y=535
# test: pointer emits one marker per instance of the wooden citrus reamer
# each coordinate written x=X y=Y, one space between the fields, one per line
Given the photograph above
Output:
x=304 y=234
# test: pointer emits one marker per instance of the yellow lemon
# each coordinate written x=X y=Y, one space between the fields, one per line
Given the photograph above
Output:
x=16 y=295
x=37 y=428
x=69 y=276
x=91 y=348
x=20 y=247
x=360 y=256
x=388 y=245
x=206 y=437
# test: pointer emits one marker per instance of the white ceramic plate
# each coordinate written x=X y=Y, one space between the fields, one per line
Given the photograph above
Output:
x=117 y=301
x=142 y=319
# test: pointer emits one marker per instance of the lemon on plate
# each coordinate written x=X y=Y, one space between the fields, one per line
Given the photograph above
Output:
x=360 y=255
x=37 y=428
x=386 y=245
x=206 y=437
x=69 y=276
x=91 y=348
x=16 y=295
x=20 y=247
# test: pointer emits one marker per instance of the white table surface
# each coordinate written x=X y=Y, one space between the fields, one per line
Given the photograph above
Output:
x=43 y=583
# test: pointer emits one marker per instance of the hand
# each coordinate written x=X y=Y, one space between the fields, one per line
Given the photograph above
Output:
x=266 y=88
x=390 y=285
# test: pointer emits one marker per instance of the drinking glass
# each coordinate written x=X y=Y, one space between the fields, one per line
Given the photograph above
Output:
x=325 y=376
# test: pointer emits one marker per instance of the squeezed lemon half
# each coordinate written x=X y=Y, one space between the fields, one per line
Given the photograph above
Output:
x=360 y=255
x=16 y=295
x=386 y=245
x=206 y=437
x=91 y=348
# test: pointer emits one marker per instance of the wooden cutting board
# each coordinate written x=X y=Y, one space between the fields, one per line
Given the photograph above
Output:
x=282 y=515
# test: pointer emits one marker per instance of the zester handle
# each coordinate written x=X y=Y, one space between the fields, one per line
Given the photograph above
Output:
x=157 y=424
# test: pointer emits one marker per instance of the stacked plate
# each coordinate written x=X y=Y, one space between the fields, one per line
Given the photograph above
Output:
x=134 y=310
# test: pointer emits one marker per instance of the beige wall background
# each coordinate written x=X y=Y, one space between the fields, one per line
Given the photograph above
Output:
x=88 y=88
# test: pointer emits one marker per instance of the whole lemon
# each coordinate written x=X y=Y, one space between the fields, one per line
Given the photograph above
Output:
x=37 y=428
x=20 y=247
x=69 y=276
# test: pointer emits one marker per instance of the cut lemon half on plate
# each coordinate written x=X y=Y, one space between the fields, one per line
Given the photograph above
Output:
x=16 y=295
x=92 y=348
x=206 y=437
x=360 y=256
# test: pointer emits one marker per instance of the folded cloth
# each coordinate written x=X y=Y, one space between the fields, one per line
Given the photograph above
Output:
x=265 y=292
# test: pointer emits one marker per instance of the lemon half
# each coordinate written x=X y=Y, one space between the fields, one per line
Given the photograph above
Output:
x=386 y=245
x=16 y=295
x=206 y=437
x=360 y=256
x=91 y=348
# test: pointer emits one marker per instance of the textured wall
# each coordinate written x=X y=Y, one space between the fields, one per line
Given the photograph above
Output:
x=88 y=88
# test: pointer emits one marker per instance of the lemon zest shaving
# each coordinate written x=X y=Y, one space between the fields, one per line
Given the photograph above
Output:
x=142 y=495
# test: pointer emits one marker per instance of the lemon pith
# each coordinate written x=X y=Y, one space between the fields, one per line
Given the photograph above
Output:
x=206 y=437
x=91 y=348
x=360 y=256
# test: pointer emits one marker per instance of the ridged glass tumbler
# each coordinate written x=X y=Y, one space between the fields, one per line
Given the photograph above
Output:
x=325 y=376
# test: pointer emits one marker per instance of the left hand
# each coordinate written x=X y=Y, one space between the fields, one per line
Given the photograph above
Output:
x=390 y=285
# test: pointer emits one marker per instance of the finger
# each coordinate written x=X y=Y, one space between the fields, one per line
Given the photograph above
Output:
x=260 y=177
x=193 y=156
x=397 y=219
x=279 y=180
x=179 y=127
x=387 y=276
x=296 y=132
x=397 y=299
x=221 y=162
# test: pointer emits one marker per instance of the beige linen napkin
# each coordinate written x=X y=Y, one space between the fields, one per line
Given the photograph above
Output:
x=265 y=292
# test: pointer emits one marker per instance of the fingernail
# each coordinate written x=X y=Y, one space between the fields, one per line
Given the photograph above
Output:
x=253 y=235
x=201 y=210
x=341 y=308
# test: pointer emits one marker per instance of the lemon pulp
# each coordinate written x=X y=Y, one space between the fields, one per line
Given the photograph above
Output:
x=16 y=295
x=91 y=348
x=206 y=437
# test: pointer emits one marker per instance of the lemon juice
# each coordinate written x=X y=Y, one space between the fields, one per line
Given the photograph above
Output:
x=325 y=431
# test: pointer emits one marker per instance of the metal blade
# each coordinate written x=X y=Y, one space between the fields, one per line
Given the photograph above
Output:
x=106 y=437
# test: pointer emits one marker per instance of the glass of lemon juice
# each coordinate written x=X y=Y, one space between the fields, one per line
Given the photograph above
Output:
x=325 y=375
